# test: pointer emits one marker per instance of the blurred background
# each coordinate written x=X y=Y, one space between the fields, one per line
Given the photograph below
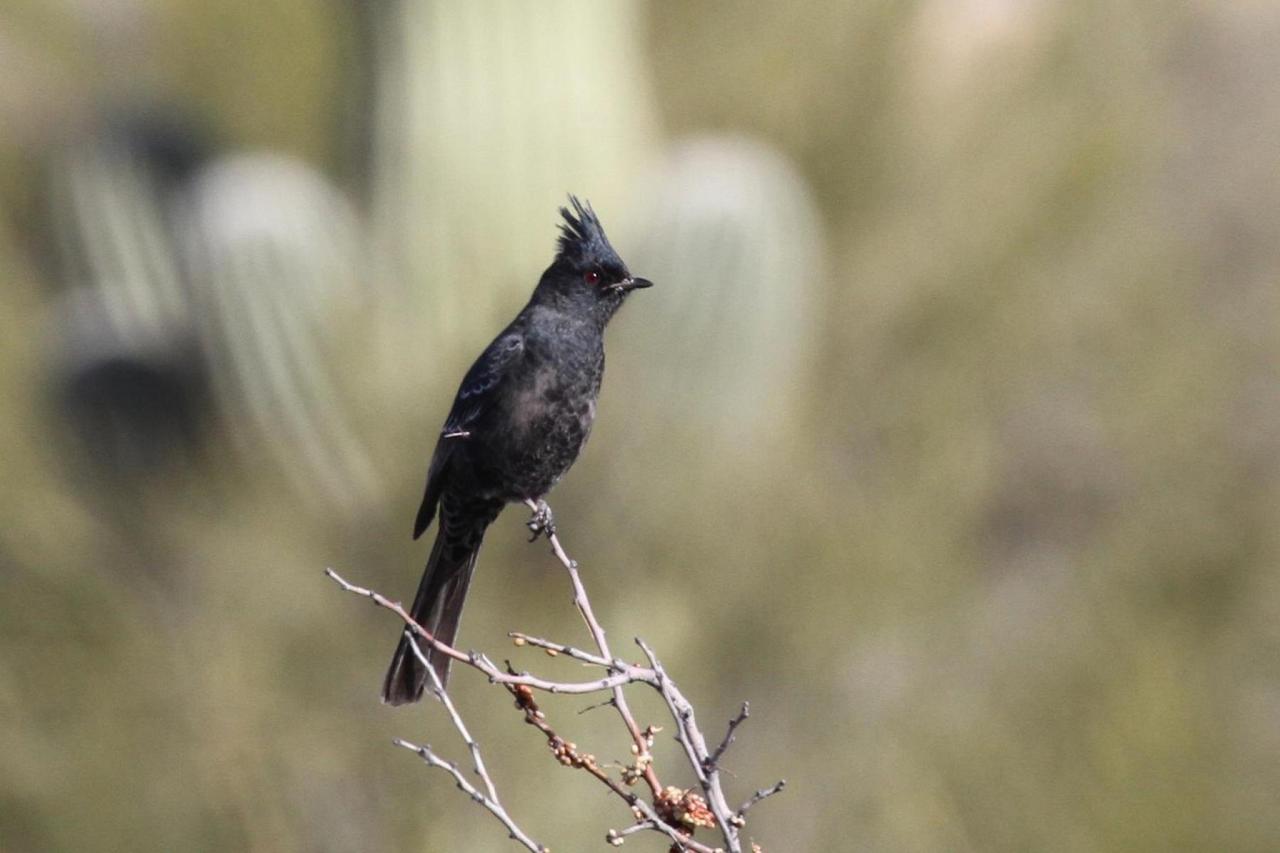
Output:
x=950 y=436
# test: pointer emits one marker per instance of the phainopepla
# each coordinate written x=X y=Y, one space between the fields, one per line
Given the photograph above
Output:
x=520 y=417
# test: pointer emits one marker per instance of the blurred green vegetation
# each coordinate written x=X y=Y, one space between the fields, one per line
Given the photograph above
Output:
x=1001 y=575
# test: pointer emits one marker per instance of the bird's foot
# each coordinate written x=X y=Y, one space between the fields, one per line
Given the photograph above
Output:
x=542 y=522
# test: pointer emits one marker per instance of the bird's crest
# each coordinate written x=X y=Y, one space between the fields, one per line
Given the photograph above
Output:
x=582 y=235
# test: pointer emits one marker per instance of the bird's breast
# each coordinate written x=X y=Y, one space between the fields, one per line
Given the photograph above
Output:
x=554 y=406
x=543 y=426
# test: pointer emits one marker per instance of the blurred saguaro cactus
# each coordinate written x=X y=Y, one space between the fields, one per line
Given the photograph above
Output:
x=490 y=112
x=275 y=259
x=732 y=235
x=126 y=367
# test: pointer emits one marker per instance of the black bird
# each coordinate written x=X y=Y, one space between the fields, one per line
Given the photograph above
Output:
x=519 y=420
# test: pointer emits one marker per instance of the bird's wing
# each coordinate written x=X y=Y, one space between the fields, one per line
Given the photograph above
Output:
x=474 y=395
x=477 y=386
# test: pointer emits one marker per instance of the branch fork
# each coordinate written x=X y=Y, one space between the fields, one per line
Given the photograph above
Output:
x=671 y=811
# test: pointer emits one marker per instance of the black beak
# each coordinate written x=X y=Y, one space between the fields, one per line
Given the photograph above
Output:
x=634 y=283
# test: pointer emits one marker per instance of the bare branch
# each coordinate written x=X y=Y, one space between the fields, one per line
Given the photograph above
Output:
x=695 y=745
x=714 y=760
x=673 y=812
x=626 y=673
x=494 y=807
x=522 y=639
x=597 y=633
x=762 y=794
x=568 y=754
x=437 y=687
x=488 y=799
x=616 y=836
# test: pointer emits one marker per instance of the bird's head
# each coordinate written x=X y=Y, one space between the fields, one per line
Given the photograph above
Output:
x=587 y=271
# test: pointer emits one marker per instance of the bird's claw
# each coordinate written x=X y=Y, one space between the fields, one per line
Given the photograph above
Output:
x=542 y=522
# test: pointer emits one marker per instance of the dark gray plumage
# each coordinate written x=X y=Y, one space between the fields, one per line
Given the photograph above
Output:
x=519 y=420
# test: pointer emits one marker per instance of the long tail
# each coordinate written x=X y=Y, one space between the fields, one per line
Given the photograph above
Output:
x=438 y=605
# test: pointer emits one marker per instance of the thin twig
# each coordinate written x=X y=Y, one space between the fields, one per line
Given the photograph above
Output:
x=437 y=687
x=568 y=754
x=427 y=755
x=488 y=799
x=695 y=746
x=714 y=760
x=625 y=674
x=762 y=794
x=522 y=639
x=597 y=633
x=673 y=812
x=616 y=836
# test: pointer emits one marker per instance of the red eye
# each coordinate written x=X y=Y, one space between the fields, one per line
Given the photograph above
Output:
x=592 y=277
